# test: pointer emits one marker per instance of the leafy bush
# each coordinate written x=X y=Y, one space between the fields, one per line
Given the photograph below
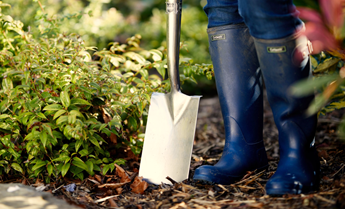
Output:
x=327 y=33
x=64 y=111
x=118 y=20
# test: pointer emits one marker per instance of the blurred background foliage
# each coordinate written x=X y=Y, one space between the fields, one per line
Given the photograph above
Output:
x=105 y=21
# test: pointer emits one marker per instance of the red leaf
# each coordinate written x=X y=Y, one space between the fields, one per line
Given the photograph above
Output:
x=320 y=37
x=308 y=14
x=333 y=11
x=139 y=186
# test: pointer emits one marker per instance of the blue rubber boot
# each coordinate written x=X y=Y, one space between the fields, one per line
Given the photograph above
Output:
x=283 y=62
x=238 y=80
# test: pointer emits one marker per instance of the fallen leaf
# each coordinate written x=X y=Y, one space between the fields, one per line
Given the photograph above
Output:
x=112 y=203
x=98 y=178
x=119 y=190
x=120 y=172
x=113 y=138
x=139 y=186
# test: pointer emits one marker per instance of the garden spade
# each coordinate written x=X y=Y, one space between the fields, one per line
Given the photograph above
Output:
x=172 y=117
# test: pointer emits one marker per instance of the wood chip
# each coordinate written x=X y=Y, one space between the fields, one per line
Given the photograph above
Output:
x=324 y=199
x=105 y=198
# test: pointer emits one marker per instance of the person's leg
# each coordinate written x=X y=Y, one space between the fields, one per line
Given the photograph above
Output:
x=222 y=12
x=239 y=87
x=284 y=60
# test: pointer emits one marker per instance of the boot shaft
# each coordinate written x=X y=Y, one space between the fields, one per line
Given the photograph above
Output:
x=284 y=62
x=238 y=80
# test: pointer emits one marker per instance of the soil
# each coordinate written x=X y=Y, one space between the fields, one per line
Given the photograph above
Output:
x=247 y=193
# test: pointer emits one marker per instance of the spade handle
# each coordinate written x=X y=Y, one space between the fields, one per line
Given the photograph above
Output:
x=173 y=10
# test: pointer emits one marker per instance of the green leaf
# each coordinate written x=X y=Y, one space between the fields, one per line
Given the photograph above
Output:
x=4 y=105
x=4 y=5
x=17 y=167
x=308 y=86
x=316 y=104
x=38 y=165
x=80 y=176
x=65 y=99
x=78 y=101
x=5 y=126
x=132 y=124
x=61 y=158
x=326 y=64
x=50 y=169
x=53 y=107
x=105 y=169
x=47 y=128
x=58 y=114
x=65 y=169
x=120 y=161
x=41 y=115
x=76 y=113
x=156 y=55
x=72 y=119
x=3 y=151
x=14 y=153
x=94 y=141
x=43 y=137
x=135 y=56
x=7 y=84
x=79 y=163
x=136 y=150
x=3 y=116
x=75 y=170
x=89 y=167
x=83 y=152
x=61 y=119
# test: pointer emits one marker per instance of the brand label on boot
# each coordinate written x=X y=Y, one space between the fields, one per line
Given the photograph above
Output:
x=276 y=49
x=218 y=37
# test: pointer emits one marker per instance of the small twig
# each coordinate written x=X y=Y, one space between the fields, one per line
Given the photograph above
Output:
x=338 y=170
x=39 y=2
x=57 y=188
x=251 y=177
x=263 y=188
x=324 y=199
x=331 y=192
x=171 y=180
x=105 y=198
x=221 y=186
x=246 y=187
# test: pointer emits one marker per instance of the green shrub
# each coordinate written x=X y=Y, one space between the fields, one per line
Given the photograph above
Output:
x=63 y=110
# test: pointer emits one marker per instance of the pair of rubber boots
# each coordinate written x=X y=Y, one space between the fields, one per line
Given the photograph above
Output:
x=239 y=62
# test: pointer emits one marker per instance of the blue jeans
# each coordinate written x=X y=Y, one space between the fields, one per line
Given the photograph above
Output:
x=266 y=19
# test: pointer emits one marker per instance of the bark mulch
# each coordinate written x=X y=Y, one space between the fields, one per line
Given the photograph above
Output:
x=124 y=189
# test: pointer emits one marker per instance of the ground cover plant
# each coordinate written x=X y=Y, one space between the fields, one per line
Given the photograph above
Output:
x=72 y=110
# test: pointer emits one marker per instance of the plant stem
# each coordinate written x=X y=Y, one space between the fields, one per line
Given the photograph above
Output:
x=39 y=2
x=9 y=43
